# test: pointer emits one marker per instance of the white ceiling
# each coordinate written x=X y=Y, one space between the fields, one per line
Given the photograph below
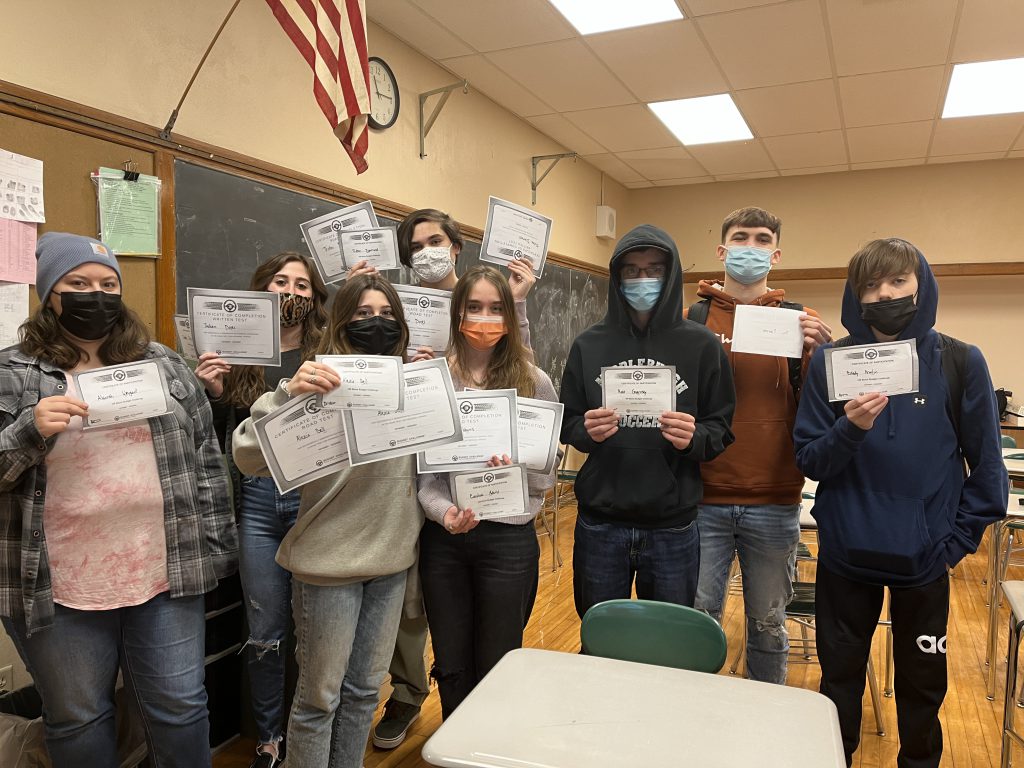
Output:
x=825 y=85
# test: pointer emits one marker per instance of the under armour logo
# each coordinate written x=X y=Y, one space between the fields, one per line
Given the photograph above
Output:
x=929 y=644
x=920 y=400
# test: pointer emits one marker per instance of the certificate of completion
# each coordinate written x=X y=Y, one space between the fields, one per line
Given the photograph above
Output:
x=639 y=391
x=301 y=442
x=771 y=331
x=367 y=381
x=378 y=247
x=492 y=492
x=428 y=315
x=889 y=368
x=430 y=417
x=513 y=232
x=242 y=327
x=184 y=330
x=323 y=236
x=489 y=428
x=119 y=394
x=540 y=422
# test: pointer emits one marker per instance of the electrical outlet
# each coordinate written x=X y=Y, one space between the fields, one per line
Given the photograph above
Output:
x=6 y=679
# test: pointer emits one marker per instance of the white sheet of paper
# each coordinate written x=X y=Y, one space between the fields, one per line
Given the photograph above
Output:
x=489 y=428
x=377 y=247
x=428 y=315
x=183 y=328
x=367 y=381
x=641 y=391
x=21 y=188
x=13 y=311
x=771 y=331
x=323 y=237
x=513 y=232
x=242 y=327
x=492 y=492
x=539 y=425
x=889 y=368
x=121 y=394
x=302 y=442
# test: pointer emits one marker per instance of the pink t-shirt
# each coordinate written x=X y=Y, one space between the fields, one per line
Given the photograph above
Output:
x=104 y=517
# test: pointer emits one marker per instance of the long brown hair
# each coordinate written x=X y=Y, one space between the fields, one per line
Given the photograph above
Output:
x=245 y=383
x=509 y=367
x=335 y=339
x=44 y=337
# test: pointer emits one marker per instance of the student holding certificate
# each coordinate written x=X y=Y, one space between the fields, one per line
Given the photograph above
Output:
x=110 y=537
x=480 y=577
x=264 y=515
x=350 y=549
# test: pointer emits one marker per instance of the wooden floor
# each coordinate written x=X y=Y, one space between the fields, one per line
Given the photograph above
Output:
x=971 y=724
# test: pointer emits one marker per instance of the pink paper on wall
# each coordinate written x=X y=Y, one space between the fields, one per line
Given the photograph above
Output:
x=17 y=251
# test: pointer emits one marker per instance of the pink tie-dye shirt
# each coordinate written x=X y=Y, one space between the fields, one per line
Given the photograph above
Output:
x=104 y=517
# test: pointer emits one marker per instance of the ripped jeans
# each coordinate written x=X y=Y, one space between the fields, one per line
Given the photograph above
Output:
x=765 y=538
x=264 y=519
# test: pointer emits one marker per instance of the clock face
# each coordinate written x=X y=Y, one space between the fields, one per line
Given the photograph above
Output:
x=384 y=101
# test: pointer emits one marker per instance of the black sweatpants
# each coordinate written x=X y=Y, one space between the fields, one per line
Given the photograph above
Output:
x=847 y=614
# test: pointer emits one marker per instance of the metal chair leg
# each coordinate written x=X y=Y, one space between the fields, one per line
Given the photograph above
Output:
x=876 y=701
x=1009 y=735
x=890 y=674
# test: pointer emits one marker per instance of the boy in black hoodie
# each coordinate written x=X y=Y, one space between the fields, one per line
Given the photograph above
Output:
x=640 y=485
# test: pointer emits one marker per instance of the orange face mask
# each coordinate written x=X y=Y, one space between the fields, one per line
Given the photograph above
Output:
x=482 y=333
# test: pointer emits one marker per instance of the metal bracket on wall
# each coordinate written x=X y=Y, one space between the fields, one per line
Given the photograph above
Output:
x=426 y=126
x=534 y=181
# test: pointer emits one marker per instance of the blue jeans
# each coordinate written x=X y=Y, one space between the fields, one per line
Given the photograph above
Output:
x=345 y=637
x=265 y=516
x=765 y=537
x=606 y=558
x=158 y=645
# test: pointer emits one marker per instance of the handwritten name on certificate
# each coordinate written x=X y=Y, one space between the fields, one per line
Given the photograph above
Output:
x=771 y=331
x=430 y=417
x=639 y=391
x=428 y=315
x=493 y=492
x=120 y=394
x=489 y=419
x=513 y=232
x=539 y=424
x=323 y=236
x=242 y=327
x=301 y=442
x=378 y=247
x=889 y=368
x=367 y=381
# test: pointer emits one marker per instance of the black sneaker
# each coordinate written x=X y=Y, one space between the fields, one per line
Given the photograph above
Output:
x=263 y=760
x=394 y=724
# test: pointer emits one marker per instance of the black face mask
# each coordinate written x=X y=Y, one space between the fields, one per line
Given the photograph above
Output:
x=89 y=315
x=889 y=317
x=375 y=335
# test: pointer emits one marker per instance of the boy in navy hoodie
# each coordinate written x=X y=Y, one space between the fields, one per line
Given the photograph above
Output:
x=640 y=485
x=893 y=506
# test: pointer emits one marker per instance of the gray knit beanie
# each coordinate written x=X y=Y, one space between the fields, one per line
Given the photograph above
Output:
x=57 y=253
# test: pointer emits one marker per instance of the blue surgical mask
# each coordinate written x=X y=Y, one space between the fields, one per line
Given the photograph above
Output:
x=746 y=263
x=641 y=293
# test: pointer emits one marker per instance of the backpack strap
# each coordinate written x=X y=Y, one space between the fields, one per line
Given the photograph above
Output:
x=698 y=311
x=796 y=364
x=954 y=367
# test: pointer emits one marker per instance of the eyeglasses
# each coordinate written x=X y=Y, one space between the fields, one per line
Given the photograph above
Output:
x=630 y=272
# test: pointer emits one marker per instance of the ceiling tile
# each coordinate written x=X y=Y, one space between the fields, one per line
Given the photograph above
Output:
x=989 y=29
x=881 y=143
x=886 y=164
x=807 y=149
x=874 y=36
x=621 y=129
x=784 y=109
x=1020 y=142
x=810 y=171
x=614 y=167
x=669 y=163
x=791 y=44
x=659 y=62
x=732 y=157
x=892 y=97
x=966 y=135
x=966 y=158
x=408 y=22
x=566 y=75
x=1017 y=153
x=487 y=78
x=638 y=184
x=704 y=7
x=490 y=25
x=680 y=182
x=567 y=134
x=744 y=176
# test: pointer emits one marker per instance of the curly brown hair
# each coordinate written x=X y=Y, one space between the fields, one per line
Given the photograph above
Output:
x=44 y=337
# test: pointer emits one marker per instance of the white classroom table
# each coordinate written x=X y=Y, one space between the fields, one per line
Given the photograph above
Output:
x=1014 y=467
x=547 y=709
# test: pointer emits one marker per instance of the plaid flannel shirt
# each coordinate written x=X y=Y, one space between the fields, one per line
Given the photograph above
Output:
x=202 y=542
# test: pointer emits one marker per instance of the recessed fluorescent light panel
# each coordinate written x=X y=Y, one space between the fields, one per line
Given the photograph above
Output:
x=986 y=88
x=704 y=120
x=593 y=16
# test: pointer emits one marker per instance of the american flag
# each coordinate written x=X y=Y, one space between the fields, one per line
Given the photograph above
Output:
x=331 y=36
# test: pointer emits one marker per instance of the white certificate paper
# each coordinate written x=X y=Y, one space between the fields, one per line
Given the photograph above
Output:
x=302 y=442
x=889 y=368
x=493 y=492
x=242 y=327
x=428 y=315
x=513 y=232
x=367 y=381
x=120 y=394
x=771 y=331
x=430 y=417
x=322 y=236
x=183 y=328
x=377 y=247
x=540 y=423
x=489 y=428
x=639 y=391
